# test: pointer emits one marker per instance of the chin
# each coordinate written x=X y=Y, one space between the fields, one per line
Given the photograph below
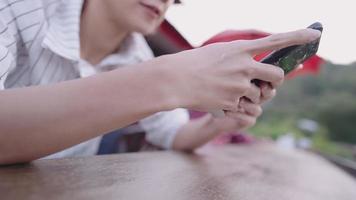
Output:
x=147 y=30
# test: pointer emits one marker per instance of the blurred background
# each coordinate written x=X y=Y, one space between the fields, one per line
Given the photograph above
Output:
x=314 y=111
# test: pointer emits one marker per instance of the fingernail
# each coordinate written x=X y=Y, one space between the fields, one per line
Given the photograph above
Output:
x=313 y=34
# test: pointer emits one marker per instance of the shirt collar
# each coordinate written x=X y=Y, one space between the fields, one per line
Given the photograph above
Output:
x=133 y=50
x=62 y=36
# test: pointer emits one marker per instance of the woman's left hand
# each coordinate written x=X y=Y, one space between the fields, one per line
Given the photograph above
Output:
x=249 y=109
x=245 y=117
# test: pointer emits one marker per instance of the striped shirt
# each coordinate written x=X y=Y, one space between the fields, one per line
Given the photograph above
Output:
x=40 y=45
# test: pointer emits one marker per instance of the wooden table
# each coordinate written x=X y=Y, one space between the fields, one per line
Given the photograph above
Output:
x=231 y=172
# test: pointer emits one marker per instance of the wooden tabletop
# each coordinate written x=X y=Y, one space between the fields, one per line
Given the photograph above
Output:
x=247 y=172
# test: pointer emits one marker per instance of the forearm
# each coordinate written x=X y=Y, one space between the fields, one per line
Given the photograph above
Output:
x=38 y=121
x=196 y=133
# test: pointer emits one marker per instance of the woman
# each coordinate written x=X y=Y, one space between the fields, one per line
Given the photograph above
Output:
x=48 y=47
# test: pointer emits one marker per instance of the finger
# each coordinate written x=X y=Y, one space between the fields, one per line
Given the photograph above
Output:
x=268 y=73
x=282 y=40
x=243 y=121
x=253 y=94
x=267 y=92
x=218 y=113
x=251 y=109
x=301 y=66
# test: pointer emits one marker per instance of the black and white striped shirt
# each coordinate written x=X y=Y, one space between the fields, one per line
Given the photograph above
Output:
x=37 y=39
x=40 y=45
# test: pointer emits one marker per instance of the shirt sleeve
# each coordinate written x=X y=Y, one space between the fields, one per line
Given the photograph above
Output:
x=161 y=128
x=7 y=60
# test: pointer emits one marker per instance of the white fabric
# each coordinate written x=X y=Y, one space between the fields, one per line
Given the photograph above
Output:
x=39 y=44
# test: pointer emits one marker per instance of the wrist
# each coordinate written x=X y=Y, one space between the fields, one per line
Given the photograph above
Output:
x=166 y=85
x=172 y=84
x=213 y=124
x=224 y=124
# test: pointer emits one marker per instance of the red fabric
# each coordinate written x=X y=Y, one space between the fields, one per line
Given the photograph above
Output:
x=311 y=66
x=233 y=138
x=173 y=35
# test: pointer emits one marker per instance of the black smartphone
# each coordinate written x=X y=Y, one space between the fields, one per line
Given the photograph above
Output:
x=291 y=57
x=288 y=58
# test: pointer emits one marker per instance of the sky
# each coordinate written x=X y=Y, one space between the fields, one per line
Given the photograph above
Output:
x=198 y=20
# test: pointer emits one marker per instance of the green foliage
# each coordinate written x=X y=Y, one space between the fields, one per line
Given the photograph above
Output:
x=324 y=145
x=273 y=128
x=329 y=99
x=339 y=117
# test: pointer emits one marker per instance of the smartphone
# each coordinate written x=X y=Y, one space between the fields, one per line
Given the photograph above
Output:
x=288 y=58
x=291 y=57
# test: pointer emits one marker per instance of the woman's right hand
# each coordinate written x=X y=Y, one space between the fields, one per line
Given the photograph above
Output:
x=218 y=75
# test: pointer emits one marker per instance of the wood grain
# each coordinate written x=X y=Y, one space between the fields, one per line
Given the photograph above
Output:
x=231 y=172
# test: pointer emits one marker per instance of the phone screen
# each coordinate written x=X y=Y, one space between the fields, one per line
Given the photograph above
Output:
x=291 y=57
x=297 y=56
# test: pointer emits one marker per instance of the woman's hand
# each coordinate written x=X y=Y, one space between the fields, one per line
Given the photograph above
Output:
x=244 y=118
x=218 y=75
x=248 y=109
